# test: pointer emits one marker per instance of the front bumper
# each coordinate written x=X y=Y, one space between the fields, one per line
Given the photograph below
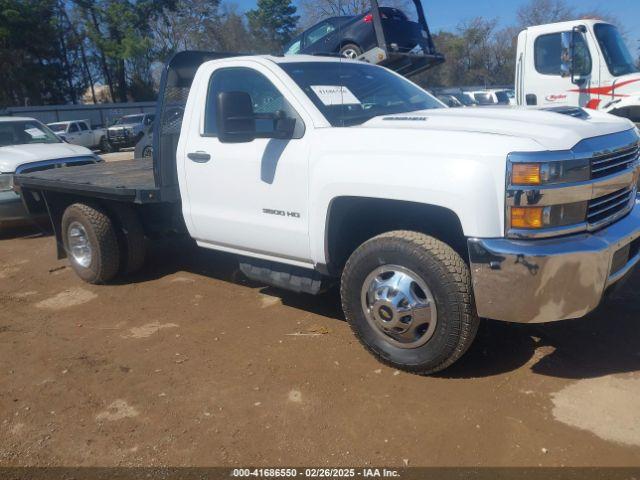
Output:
x=534 y=281
x=11 y=208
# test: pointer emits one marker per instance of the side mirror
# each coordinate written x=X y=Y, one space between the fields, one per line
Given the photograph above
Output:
x=235 y=117
x=566 y=55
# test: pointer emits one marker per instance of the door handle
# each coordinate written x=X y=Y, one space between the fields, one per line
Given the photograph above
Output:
x=199 y=157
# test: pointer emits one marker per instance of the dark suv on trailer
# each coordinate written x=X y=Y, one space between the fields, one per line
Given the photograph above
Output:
x=353 y=36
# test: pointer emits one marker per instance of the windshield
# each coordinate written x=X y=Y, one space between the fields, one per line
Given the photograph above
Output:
x=614 y=49
x=464 y=99
x=25 y=132
x=58 y=127
x=130 y=119
x=352 y=93
x=484 y=98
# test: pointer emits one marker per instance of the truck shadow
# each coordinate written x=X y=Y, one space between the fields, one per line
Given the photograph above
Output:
x=602 y=343
x=605 y=342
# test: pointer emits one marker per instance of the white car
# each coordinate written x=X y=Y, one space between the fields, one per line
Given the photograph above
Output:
x=26 y=145
x=317 y=171
x=80 y=133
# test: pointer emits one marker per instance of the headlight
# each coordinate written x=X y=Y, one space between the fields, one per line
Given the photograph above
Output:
x=6 y=182
x=555 y=216
x=549 y=173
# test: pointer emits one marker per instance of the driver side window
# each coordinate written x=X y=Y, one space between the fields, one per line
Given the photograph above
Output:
x=549 y=53
x=265 y=98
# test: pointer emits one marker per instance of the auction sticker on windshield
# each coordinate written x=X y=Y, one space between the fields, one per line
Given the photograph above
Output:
x=335 y=95
x=35 y=133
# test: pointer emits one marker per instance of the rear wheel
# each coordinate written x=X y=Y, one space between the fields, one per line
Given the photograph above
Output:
x=407 y=297
x=351 y=50
x=147 y=152
x=91 y=242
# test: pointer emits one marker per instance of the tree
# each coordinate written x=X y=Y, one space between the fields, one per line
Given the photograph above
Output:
x=33 y=63
x=539 y=12
x=272 y=24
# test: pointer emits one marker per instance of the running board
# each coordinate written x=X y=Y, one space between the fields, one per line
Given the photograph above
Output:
x=289 y=277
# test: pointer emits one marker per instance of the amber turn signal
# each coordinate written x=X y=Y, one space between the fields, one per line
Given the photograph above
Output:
x=527 y=217
x=526 y=174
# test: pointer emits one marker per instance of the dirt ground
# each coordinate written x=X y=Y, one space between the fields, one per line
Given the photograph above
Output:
x=189 y=364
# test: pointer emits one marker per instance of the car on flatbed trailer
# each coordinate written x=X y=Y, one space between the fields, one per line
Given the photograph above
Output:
x=320 y=170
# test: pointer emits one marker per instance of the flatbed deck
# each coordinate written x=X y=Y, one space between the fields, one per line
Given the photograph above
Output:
x=128 y=181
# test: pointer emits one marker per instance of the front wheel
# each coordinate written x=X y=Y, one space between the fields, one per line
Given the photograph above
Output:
x=105 y=146
x=408 y=299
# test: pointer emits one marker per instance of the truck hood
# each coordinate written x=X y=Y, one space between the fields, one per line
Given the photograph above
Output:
x=551 y=130
x=13 y=156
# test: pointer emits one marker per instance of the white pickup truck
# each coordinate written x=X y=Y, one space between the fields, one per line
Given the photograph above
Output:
x=26 y=145
x=81 y=133
x=317 y=171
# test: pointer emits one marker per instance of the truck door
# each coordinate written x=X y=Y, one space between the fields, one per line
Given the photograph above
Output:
x=73 y=134
x=547 y=81
x=248 y=196
x=86 y=136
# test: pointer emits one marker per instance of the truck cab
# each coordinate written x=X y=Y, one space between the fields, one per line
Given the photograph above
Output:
x=582 y=63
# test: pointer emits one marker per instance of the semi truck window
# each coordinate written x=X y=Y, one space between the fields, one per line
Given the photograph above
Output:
x=266 y=98
x=548 y=55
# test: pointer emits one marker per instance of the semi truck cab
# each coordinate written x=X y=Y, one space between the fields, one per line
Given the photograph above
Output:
x=581 y=63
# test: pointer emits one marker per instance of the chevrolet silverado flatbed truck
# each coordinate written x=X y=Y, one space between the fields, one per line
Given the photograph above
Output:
x=317 y=170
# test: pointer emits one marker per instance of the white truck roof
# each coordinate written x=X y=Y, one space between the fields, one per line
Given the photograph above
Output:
x=17 y=119
x=565 y=25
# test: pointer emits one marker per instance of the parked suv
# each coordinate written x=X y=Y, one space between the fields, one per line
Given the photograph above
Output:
x=129 y=130
x=352 y=36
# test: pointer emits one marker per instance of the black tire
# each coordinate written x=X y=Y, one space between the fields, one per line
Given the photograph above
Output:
x=147 y=152
x=105 y=146
x=102 y=239
x=350 y=50
x=449 y=280
x=133 y=244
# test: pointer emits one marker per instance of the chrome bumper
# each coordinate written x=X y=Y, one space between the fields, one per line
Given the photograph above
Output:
x=534 y=281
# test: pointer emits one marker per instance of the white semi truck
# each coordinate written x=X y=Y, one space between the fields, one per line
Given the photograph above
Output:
x=322 y=170
x=582 y=63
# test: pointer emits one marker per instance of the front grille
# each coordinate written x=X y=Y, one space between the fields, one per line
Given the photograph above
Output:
x=615 y=162
x=608 y=208
x=50 y=164
x=117 y=134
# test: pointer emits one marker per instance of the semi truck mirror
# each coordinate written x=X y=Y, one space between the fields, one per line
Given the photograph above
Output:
x=235 y=118
x=566 y=54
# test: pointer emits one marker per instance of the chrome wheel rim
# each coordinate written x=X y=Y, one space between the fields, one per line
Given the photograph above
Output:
x=350 y=53
x=79 y=246
x=399 y=306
